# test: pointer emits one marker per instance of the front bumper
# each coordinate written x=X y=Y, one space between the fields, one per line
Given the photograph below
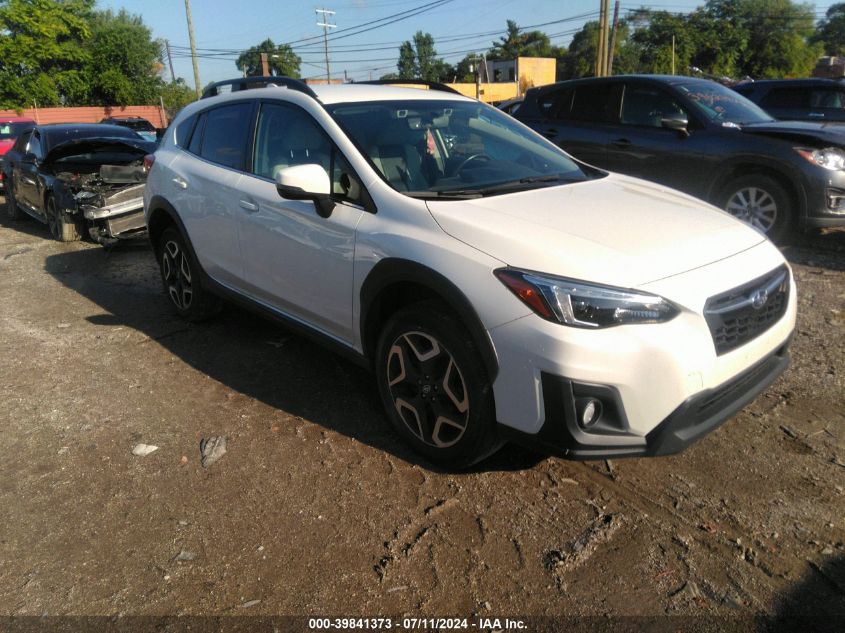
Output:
x=825 y=199
x=649 y=375
x=697 y=416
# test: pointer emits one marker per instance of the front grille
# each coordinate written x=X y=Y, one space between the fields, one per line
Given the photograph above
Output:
x=740 y=315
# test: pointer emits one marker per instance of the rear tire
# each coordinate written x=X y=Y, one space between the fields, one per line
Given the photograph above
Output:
x=435 y=388
x=62 y=226
x=180 y=274
x=12 y=210
x=760 y=201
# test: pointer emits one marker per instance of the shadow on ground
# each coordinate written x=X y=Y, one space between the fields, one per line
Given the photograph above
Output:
x=244 y=352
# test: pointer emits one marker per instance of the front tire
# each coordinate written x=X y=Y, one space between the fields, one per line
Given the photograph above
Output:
x=435 y=388
x=180 y=274
x=761 y=202
x=62 y=227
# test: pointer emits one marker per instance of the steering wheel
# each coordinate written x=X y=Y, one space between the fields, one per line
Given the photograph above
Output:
x=469 y=159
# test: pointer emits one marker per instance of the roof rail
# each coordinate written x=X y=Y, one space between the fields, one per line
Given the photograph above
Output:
x=246 y=83
x=432 y=85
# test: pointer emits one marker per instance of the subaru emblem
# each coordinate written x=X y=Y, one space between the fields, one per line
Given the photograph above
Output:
x=759 y=299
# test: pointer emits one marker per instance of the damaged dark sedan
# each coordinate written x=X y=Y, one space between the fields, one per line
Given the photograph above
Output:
x=701 y=138
x=81 y=180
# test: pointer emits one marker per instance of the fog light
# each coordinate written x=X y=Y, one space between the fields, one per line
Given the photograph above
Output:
x=589 y=412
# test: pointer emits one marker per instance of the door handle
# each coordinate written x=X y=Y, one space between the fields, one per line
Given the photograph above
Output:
x=249 y=206
x=621 y=143
x=180 y=182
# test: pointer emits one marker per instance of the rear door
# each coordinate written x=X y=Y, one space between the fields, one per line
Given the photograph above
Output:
x=208 y=197
x=576 y=118
x=295 y=260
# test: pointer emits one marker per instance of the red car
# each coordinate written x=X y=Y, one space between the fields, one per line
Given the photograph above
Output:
x=10 y=127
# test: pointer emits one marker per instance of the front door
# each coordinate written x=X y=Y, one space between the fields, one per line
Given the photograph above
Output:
x=295 y=260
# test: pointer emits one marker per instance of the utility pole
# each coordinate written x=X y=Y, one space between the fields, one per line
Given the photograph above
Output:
x=197 y=85
x=673 y=54
x=612 y=38
x=601 y=52
x=326 y=26
x=265 y=65
x=170 y=60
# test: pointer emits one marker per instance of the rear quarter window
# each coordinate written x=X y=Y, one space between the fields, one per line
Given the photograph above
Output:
x=184 y=129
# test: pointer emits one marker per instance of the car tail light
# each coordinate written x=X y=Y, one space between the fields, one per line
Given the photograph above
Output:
x=149 y=161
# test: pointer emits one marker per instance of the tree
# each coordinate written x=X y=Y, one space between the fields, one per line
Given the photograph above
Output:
x=653 y=39
x=176 y=95
x=517 y=43
x=407 y=65
x=281 y=60
x=778 y=35
x=124 y=61
x=42 y=45
x=418 y=60
x=580 y=60
x=831 y=30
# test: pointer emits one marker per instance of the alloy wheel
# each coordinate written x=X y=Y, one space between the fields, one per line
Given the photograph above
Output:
x=176 y=270
x=428 y=389
x=754 y=206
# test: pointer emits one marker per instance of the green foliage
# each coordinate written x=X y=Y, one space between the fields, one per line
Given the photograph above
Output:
x=43 y=48
x=831 y=30
x=281 y=60
x=418 y=60
x=517 y=43
x=735 y=38
x=64 y=52
x=176 y=95
x=124 y=61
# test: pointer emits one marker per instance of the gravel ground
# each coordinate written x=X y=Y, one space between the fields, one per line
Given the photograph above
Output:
x=317 y=509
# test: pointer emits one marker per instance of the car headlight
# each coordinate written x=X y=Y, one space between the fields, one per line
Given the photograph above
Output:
x=831 y=158
x=584 y=305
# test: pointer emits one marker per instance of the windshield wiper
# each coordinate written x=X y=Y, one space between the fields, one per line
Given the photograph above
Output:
x=463 y=194
x=514 y=185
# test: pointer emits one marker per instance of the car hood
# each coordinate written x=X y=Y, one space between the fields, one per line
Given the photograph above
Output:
x=616 y=230
x=75 y=147
x=801 y=131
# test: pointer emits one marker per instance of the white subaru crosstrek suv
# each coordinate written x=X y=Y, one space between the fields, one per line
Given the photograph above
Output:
x=498 y=288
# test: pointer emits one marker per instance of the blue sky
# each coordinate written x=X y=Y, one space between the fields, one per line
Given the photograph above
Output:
x=223 y=27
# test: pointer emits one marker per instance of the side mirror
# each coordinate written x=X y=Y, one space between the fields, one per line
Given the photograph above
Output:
x=680 y=125
x=306 y=182
x=29 y=159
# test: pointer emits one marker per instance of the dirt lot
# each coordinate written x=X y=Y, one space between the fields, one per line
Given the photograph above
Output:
x=317 y=509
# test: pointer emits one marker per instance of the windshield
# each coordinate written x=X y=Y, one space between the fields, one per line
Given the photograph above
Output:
x=10 y=131
x=452 y=148
x=722 y=105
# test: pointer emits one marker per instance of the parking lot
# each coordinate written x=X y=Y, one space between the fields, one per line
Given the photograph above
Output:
x=316 y=508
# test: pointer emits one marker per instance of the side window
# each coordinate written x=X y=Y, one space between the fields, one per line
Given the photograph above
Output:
x=826 y=99
x=287 y=136
x=595 y=103
x=787 y=98
x=34 y=145
x=647 y=106
x=225 y=135
x=196 y=137
x=555 y=104
x=22 y=142
x=184 y=129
